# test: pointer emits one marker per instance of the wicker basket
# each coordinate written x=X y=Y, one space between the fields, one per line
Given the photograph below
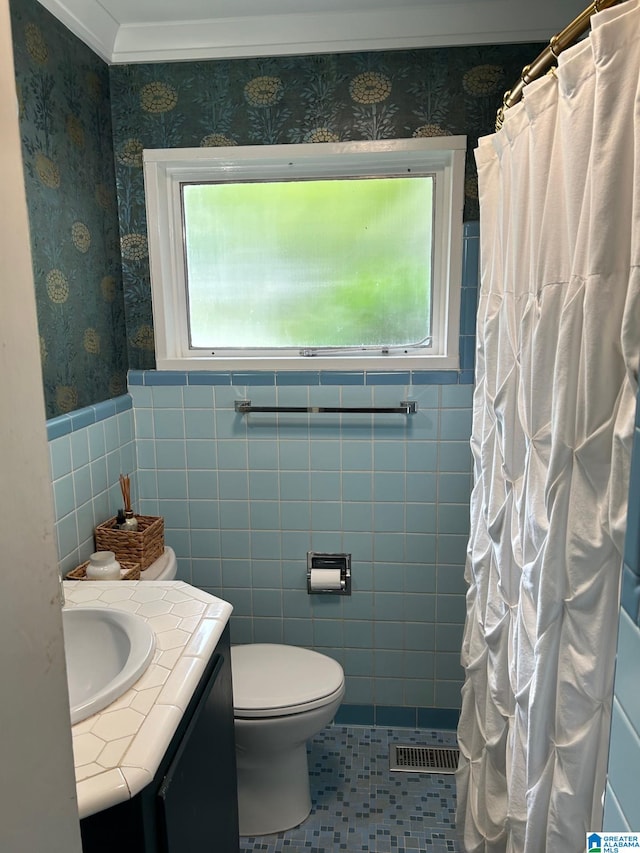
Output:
x=142 y=546
x=129 y=572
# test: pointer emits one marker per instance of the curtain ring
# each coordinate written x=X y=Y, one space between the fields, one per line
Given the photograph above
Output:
x=596 y=5
x=553 y=45
x=525 y=72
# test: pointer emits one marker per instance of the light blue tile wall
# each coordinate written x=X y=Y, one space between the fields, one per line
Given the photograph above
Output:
x=622 y=804
x=88 y=450
x=245 y=497
x=624 y=756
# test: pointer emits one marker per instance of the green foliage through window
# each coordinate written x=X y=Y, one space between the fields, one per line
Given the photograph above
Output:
x=309 y=263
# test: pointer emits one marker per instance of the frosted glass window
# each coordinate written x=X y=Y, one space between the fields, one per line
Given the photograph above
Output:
x=331 y=256
x=309 y=264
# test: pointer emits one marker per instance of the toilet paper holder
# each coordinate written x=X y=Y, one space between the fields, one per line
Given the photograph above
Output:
x=328 y=574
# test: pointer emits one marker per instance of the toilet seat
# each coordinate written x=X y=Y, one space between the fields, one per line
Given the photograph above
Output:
x=271 y=680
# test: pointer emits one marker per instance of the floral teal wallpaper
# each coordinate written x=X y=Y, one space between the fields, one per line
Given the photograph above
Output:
x=65 y=122
x=82 y=121
x=315 y=99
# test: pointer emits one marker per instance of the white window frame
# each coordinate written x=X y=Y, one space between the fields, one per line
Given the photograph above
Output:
x=166 y=170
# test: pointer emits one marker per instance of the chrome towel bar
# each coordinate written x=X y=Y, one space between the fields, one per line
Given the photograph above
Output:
x=407 y=407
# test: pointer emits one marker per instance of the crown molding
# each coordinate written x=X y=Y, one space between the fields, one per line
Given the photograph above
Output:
x=429 y=24
x=89 y=21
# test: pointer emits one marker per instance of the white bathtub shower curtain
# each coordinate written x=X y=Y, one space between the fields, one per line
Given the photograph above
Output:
x=557 y=367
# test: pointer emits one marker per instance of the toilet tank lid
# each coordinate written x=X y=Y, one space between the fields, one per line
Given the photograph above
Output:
x=267 y=676
x=162 y=569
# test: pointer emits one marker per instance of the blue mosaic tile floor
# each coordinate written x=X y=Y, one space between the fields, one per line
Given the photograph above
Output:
x=359 y=805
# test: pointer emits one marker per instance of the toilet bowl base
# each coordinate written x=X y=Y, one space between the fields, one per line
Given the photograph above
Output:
x=273 y=791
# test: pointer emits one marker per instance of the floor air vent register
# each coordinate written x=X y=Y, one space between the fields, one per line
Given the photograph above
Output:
x=407 y=758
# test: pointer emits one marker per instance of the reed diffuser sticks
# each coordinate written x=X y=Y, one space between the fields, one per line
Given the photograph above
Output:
x=128 y=521
x=125 y=488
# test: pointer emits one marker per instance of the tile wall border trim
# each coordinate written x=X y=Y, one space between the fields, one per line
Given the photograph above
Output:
x=80 y=418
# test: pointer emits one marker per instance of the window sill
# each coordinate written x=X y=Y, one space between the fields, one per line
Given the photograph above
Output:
x=324 y=363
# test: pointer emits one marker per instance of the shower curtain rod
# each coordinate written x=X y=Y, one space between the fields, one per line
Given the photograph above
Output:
x=542 y=63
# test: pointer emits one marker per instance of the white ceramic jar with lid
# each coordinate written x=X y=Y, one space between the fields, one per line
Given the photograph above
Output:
x=103 y=566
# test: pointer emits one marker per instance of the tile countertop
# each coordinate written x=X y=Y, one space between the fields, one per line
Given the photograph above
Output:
x=118 y=750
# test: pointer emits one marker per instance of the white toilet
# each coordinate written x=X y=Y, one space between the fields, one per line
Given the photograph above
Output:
x=162 y=569
x=282 y=696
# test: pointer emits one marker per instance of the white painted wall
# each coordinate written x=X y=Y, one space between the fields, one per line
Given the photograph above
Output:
x=38 y=812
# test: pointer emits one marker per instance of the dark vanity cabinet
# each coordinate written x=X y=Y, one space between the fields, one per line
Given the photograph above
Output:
x=191 y=806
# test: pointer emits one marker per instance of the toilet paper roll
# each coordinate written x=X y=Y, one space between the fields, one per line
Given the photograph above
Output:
x=325 y=579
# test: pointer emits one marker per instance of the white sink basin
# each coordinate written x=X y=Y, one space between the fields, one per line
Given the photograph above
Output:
x=107 y=651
